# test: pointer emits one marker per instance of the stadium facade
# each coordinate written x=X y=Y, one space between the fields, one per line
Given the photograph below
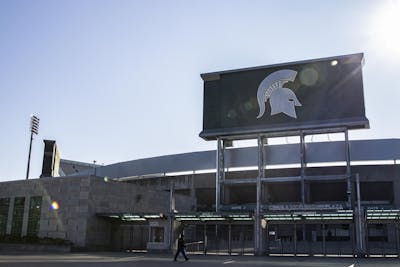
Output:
x=305 y=198
x=144 y=204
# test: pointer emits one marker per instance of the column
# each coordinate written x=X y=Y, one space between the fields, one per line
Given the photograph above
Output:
x=25 y=218
x=219 y=173
x=171 y=215
x=257 y=218
x=10 y=215
x=302 y=166
x=348 y=170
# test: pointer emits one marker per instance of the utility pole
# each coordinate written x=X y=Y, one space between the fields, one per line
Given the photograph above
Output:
x=34 y=130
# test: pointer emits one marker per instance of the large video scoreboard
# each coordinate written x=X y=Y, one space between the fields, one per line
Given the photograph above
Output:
x=312 y=94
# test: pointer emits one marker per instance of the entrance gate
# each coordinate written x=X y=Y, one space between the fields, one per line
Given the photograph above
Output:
x=382 y=232
x=310 y=233
x=310 y=239
x=218 y=232
x=221 y=238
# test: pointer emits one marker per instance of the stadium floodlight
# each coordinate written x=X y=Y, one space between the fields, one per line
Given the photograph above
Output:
x=34 y=130
x=34 y=124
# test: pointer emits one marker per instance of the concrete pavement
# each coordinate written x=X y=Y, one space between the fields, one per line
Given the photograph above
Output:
x=152 y=260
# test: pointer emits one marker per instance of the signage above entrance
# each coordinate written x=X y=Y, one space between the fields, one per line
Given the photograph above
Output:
x=312 y=94
x=304 y=207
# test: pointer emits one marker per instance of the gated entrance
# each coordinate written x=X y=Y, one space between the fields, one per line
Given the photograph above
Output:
x=382 y=232
x=310 y=239
x=220 y=239
x=218 y=233
x=310 y=233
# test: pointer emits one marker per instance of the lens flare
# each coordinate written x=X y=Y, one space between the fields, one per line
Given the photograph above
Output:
x=54 y=205
x=384 y=29
x=309 y=76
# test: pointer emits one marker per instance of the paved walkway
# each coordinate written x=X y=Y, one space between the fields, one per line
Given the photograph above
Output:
x=149 y=260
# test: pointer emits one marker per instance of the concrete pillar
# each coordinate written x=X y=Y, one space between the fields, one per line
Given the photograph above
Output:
x=10 y=215
x=26 y=217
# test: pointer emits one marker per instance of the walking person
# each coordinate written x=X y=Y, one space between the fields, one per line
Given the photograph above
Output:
x=181 y=248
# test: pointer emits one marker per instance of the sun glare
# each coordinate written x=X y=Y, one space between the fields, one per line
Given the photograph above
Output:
x=54 y=205
x=385 y=28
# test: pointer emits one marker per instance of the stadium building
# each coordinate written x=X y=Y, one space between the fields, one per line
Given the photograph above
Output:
x=302 y=198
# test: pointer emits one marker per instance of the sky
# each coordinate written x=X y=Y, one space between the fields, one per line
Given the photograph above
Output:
x=114 y=81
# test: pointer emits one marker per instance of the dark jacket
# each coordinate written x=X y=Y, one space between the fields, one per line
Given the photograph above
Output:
x=181 y=243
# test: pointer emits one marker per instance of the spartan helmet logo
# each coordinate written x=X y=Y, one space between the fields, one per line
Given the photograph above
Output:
x=280 y=98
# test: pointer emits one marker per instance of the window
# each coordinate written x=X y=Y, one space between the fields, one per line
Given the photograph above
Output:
x=35 y=207
x=4 y=206
x=157 y=234
x=18 y=216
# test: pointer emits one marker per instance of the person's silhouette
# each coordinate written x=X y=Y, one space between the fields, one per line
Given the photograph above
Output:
x=181 y=248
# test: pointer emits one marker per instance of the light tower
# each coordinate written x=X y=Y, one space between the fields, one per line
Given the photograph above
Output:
x=34 y=130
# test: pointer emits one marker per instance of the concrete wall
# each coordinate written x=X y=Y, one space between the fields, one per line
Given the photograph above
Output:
x=121 y=197
x=69 y=221
x=79 y=199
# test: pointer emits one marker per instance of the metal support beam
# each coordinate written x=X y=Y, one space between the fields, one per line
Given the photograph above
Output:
x=219 y=173
x=257 y=219
x=286 y=179
x=171 y=197
x=240 y=181
x=302 y=166
x=171 y=214
x=328 y=177
x=360 y=238
x=281 y=179
x=225 y=144
x=29 y=157
x=348 y=170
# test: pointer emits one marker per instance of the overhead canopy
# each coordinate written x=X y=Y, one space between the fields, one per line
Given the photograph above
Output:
x=310 y=216
x=376 y=215
x=131 y=217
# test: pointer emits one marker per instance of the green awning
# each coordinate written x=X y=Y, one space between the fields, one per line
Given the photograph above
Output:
x=383 y=214
x=340 y=215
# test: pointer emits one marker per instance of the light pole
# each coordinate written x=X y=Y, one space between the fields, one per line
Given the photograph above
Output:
x=34 y=130
x=94 y=167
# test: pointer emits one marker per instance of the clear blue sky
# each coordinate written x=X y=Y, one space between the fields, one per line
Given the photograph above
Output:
x=119 y=80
